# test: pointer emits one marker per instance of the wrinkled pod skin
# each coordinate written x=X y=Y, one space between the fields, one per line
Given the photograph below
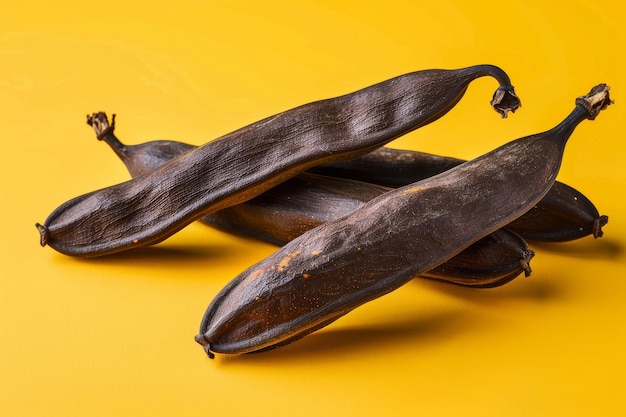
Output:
x=243 y=164
x=292 y=208
x=308 y=200
x=564 y=214
x=336 y=267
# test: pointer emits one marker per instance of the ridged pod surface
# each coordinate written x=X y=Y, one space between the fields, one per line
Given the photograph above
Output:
x=564 y=213
x=308 y=200
x=340 y=265
x=245 y=163
x=293 y=207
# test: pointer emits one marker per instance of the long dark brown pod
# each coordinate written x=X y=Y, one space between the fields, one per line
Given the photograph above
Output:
x=243 y=164
x=308 y=200
x=564 y=213
x=336 y=267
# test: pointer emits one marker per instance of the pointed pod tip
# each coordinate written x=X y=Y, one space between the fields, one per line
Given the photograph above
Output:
x=100 y=123
x=43 y=234
x=598 y=224
x=201 y=339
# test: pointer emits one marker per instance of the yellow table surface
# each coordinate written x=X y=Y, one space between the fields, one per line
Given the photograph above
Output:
x=114 y=336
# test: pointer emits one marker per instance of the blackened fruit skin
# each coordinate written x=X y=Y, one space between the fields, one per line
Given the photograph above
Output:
x=251 y=160
x=308 y=200
x=340 y=265
x=564 y=213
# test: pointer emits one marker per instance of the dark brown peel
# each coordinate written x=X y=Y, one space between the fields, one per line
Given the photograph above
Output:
x=564 y=214
x=245 y=163
x=308 y=200
x=340 y=265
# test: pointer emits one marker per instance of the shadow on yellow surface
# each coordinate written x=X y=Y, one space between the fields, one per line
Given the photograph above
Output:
x=607 y=248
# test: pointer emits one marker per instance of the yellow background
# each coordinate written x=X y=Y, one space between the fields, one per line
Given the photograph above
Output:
x=114 y=336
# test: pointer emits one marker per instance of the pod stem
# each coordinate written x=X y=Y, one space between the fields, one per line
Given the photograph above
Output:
x=598 y=224
x=105 y=131
x=504 y=99
x=525 y=262
x=43 y=234
x=100 y=123
x=595 y=101
x=205 y=345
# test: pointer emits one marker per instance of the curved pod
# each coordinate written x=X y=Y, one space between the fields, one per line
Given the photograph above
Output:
x=340 y=265
x=308 y=200
x=251 y=160
x=293 y=207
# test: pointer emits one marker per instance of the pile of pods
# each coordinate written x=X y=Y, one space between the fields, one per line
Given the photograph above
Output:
x=354 y=219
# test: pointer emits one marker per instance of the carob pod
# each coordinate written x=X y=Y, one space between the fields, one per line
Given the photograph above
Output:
x=245 y=163
x=292 y=208
x=308 y=200
x=564 y=213
x=340 y=265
